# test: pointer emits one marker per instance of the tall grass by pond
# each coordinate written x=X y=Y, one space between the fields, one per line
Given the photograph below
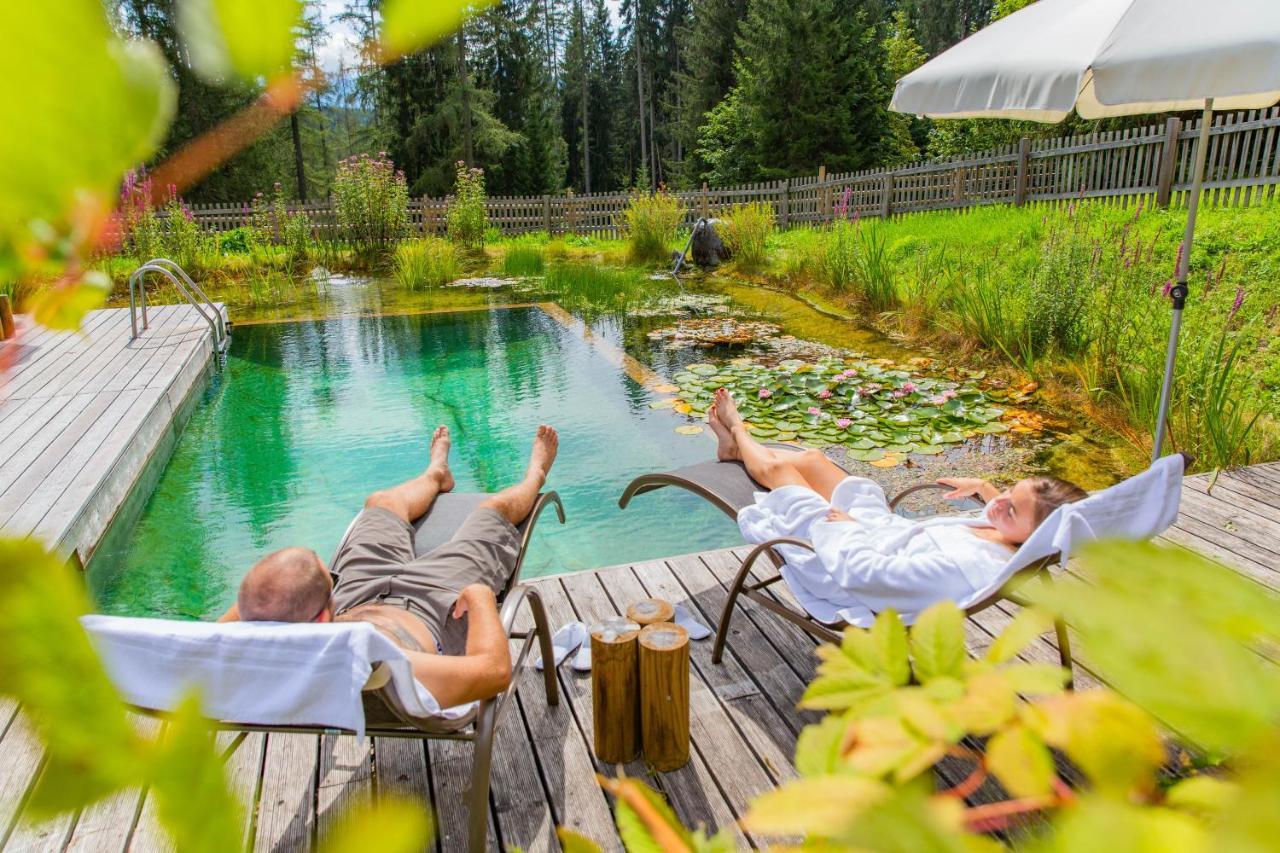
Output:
x=523 y=256
x=747 y=229
x=1079 y=292
x=426 y=262
x=593 y=290
x=651 y=222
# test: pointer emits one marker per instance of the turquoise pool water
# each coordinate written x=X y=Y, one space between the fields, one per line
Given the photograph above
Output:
x=309 y=417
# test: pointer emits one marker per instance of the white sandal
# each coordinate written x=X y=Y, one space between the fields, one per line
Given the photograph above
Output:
x=565 y=641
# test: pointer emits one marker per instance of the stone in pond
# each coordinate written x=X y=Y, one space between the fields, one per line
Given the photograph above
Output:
x=489 y=283
x=707 y=249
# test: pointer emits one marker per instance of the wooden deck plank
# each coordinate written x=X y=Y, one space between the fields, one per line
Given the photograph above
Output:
x=451 y=778
x=287 y=803
x=20 y=761
x=345 y=781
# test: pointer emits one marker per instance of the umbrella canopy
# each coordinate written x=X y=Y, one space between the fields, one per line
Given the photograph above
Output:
x=1105 y=58
x=1110 y=58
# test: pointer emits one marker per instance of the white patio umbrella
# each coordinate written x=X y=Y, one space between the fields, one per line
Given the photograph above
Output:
x=1110 y=58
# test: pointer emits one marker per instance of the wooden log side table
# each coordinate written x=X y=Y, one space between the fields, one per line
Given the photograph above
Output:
x=664 y=695
x=651 y=611
x=615 y=689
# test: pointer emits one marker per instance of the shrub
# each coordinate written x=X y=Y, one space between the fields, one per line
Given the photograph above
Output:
x=427 y=262
x=468 y=218
x=747 y=229
x=523 y=257
x=651 y=222
x=372 y=202
x=241 y=240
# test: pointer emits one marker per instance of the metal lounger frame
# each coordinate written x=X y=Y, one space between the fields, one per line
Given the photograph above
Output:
x=478 y=727
x=743 y=584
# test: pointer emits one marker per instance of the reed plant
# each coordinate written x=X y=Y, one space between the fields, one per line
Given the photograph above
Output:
x=747 y=231
x=425 y=262
x=651 y=222
x=522 y=257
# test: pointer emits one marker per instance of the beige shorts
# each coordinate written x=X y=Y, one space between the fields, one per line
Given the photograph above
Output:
x=376 y=565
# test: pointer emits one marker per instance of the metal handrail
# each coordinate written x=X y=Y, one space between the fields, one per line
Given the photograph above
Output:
x=178 y=277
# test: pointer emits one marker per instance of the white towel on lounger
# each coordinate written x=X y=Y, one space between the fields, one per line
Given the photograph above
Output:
x=267 y=673
x=884 y=561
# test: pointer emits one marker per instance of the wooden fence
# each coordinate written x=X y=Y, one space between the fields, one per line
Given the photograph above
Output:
x=1153 y=163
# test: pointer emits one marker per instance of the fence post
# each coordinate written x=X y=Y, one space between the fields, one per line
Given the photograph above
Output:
x=784 y=206
x=824 y=200
x=886 y=195
x=546 y=214
x=1020 y=188
x=1168 y=161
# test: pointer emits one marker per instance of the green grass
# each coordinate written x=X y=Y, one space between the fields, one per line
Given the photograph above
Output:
x=426 y=262
x=523 y=257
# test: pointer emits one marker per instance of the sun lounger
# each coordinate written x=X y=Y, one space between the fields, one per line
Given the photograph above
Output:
x=324 y=678
x=1138 y=508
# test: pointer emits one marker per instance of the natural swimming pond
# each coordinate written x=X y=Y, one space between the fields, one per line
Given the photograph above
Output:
x=309 y=416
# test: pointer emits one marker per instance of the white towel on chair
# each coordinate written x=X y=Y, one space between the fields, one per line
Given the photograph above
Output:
x=266 y=673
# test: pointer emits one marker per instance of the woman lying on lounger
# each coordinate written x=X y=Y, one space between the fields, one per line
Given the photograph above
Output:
x=866 y=558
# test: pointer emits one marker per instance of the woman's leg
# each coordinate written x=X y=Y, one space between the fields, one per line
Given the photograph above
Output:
x=766 y=467
x=821 y=473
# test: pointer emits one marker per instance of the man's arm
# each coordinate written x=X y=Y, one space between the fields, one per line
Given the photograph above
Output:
x=485 y=670
x=232 y=614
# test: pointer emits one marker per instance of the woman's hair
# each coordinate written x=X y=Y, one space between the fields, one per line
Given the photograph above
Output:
x=1051 y=493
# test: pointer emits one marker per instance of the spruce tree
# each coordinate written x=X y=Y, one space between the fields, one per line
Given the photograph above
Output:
x=708 y=43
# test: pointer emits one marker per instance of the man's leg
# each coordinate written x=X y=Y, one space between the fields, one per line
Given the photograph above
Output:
x=411 y=499
x=514 y=503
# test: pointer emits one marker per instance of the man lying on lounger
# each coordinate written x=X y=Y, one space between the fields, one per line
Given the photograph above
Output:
x=444 y=600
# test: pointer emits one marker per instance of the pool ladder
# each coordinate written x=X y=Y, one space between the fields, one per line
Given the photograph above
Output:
x=191 y=291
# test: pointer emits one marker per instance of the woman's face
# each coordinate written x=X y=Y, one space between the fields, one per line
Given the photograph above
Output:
x=1013 y=512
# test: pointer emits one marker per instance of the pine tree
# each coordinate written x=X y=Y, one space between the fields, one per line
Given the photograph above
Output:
x=708 y=44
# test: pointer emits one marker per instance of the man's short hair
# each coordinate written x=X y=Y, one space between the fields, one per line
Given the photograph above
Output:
x=289 y=585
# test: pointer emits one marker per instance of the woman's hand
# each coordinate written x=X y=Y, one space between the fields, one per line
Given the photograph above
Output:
x=968 y=487
x=839 y=515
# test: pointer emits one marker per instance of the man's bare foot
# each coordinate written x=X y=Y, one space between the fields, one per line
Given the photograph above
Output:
x=439 y=467
x=545 y=445
x=726 y=446
x=727 y=410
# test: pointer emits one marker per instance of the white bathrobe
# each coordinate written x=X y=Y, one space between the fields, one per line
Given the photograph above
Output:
x=878 y=562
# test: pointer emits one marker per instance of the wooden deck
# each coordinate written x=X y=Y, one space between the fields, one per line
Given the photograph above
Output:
x=82 y=413
x=743 y=717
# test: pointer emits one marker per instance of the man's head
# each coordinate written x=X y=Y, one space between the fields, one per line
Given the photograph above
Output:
x=289 y=585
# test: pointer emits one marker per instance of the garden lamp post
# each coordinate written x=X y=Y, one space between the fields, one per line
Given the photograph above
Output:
x=1106 y=58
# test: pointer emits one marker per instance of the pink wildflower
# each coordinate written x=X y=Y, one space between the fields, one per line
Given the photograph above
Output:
x=843 y=422
x=1235 y=306
x=824 y=393
x=765 y=393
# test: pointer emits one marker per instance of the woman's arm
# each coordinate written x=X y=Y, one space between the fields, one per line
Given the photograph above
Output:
x=966 y=487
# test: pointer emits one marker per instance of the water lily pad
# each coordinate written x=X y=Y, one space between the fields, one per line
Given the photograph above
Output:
x=703 y=369
x=683 y=408
x=689 y=429
x=665 y=389
x=987 y=429
x=929 y=449
x=872 y=455
x=762 y=431
x=785 y=436
x=664 y=403
x=887 y=462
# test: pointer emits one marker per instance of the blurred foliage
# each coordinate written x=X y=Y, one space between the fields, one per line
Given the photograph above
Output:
x=1181 y=638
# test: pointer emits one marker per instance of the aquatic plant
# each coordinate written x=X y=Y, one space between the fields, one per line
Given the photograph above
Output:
x=592 y=290
x=747 y=229
x=523 y=257
x=651 y=222
x=468 y=217
x=425 y=262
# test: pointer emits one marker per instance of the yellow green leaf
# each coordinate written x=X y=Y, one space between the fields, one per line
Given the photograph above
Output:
x=572 y=842
x=819 y=805
x=1036 y=679
x=988 y=703
x=926 y=718
x=1205 y=796
x=1096 y=823
x=189 y=782
x=63 y=306
x=689 y=429
x=393 y=825
x=244 y=38
x=889 y=644
x=937 y=642
x=88 y=107
x=1021 y=761
x=818 y=747
x=412 y=25
x=1112 y=740
x=1021 y=631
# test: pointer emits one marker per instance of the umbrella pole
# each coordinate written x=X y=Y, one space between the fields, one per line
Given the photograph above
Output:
x=1178 y=293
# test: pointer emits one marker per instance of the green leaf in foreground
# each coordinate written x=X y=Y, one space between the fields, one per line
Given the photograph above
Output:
x=394 y=825
x=88 y=108
x=937 y=642
x=50 y=668
x=411 y=25
x=246 y=38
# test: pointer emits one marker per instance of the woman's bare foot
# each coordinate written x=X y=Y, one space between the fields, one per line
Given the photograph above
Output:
x=439 y=467
x=545 y=445
x=726 y=446
x=727 y=410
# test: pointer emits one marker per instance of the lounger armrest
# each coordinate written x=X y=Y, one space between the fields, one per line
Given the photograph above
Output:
x=925 y=486
x=771 y=544
x=511 y=607
x=544 y=500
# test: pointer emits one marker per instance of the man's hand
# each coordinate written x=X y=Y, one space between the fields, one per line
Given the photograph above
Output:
x=475 y=595
x=968 y=487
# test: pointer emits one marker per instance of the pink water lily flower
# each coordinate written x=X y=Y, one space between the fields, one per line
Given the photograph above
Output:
x=765 y=393
x=814 y=410
x=937 y=399
x=824 y=393
x=908 y=387
x=899 y=394
x=843 y=422
x=949 y=394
